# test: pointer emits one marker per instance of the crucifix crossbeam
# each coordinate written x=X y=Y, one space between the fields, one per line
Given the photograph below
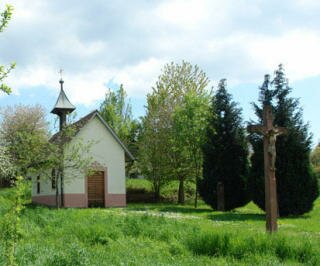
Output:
x=269 y=133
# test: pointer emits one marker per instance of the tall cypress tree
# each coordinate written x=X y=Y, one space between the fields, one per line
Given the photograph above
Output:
x=296 y=183
x=225 y=153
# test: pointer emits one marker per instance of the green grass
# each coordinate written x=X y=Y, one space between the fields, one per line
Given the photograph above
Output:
x=163 y=234
x=137 y=183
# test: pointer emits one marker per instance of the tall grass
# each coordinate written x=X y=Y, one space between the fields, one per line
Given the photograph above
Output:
x=114 y=237
x=153 y=237
x=242 y=246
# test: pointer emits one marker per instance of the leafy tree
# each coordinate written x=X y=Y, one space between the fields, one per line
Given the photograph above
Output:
x=10 y=223
x=153 y=144
x=116 y=111
x=6 y=167
x=189 y=126
x=24 y=133
x=175 y=82
x=5 y=17
x=67 y=155
x=296 y=183
x=315 y=160
x=225 y=153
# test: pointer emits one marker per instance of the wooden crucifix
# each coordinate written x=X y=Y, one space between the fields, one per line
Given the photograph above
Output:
x=270 y=134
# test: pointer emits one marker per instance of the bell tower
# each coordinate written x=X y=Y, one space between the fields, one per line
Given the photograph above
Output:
x=62 y=106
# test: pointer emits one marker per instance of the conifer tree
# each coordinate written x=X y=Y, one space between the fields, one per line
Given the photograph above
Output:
x=225 y=153
x=296 y=183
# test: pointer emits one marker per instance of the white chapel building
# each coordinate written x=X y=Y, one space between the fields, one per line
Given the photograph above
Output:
x=106 y=186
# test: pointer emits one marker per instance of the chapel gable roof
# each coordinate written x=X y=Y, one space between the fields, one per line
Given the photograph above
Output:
x=85 y=120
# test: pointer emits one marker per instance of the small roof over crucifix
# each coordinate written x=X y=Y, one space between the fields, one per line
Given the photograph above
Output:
x=63 y=105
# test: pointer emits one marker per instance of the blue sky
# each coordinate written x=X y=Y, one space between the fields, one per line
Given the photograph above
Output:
x=105 y=43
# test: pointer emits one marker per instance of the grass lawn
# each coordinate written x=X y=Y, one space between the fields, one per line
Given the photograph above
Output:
x=163 y=234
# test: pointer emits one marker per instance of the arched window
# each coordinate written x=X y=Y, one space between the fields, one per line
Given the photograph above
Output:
x=38 y=184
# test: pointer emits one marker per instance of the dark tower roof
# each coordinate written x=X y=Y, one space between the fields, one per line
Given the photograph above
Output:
x=63 y=104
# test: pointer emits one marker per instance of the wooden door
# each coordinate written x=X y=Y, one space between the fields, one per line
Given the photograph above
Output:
x=96 y=189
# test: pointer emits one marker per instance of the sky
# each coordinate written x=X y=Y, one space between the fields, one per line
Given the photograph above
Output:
x=101 y=44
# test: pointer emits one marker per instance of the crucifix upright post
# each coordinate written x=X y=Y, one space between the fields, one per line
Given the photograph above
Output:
x=270 y=134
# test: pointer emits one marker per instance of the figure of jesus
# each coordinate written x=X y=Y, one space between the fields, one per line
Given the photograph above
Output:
x=272 y=150
x=272 y=136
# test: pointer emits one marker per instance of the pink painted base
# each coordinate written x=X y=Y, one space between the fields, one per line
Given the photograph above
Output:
x=45 y=200
x=75 y=200
x=81 y=200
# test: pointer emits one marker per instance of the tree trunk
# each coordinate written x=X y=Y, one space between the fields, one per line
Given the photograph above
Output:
x=220 y=197
x=196 y=197
x=156 y=192
x=181 y=198
x=62 y=188
x=62 y=177
x=57 y=191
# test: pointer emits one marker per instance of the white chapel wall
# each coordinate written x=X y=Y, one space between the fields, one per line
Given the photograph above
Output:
x=106 y=151
x=45 y=185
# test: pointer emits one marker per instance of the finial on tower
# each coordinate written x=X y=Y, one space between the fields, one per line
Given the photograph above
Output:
x=63 y=106
x=60 y=72
x=61 y=80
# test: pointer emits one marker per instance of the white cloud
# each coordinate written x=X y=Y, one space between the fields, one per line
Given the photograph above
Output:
x=84 y=88
x=31 y=77
x=138 y=79
x=307 y=4
x=129 y=42
x=90 y=86
x=74 y=47
x=297 y=50
x=185 y=14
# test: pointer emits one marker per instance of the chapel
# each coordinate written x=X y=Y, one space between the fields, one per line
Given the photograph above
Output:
x=105 y=186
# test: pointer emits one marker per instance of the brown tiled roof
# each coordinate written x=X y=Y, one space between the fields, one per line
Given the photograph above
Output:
x=76 y=125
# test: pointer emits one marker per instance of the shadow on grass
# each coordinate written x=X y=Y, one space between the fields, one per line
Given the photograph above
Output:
x=234 y=216
x=211 y=215
x=294 y=217
x=33 y=205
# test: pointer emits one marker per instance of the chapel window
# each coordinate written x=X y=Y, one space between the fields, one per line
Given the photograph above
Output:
x=53 y=178
x=38 y=184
